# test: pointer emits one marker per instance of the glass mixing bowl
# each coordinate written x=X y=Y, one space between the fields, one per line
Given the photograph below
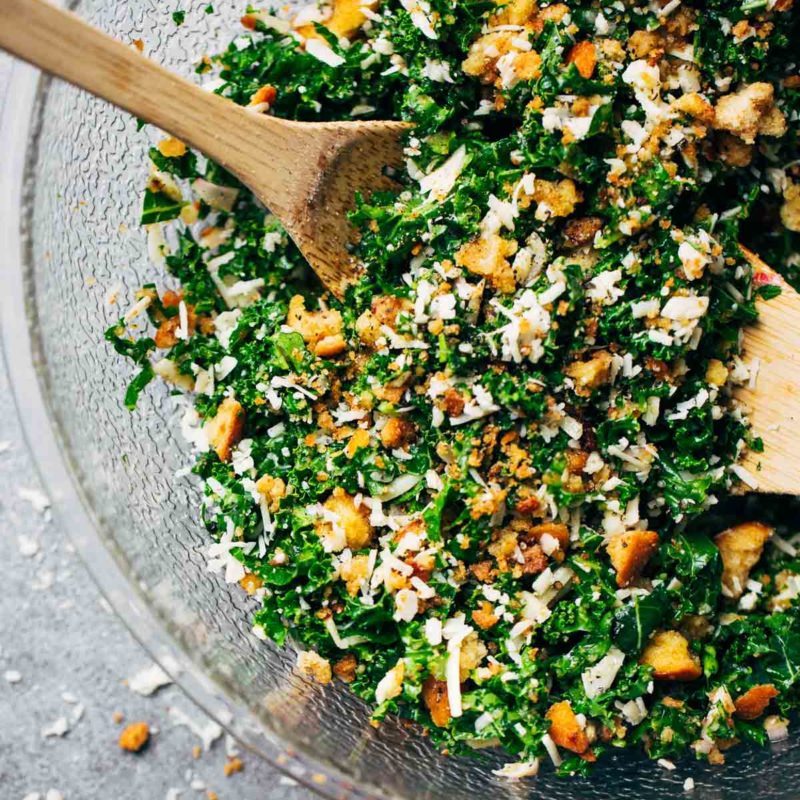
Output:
x=73 y=254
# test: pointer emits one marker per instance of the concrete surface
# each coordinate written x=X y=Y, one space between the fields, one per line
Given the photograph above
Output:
x=63 y=659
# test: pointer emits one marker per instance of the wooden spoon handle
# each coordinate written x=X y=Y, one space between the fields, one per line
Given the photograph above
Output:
x=62 y=44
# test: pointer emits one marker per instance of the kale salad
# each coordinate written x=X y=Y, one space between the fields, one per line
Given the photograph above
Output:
x=493 y=488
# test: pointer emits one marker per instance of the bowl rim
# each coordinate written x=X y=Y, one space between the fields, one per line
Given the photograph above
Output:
x=20 y=124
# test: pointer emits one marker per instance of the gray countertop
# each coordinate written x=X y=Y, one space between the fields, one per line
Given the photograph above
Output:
x=64 y=661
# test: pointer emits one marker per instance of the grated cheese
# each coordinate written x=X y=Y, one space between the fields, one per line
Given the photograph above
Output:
x=600 y=677
x=421 y=17
x=552 y=750
x=433 y=631
x=690 y=307
x=439 y=183
x=322 y=52
x=518 y=769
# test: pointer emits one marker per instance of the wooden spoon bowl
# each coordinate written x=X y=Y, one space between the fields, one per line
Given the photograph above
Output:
x=306 y=173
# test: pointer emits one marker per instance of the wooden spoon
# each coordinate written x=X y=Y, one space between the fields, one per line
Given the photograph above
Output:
x=306 y=173
x=774 y=402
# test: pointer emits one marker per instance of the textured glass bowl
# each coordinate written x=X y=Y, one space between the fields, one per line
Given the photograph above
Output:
x=69 y=203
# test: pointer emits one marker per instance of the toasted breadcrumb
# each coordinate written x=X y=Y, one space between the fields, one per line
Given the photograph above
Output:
x=488 y=257
x=314 y=666
x=134 y=737
x=590 y=375
x=232 y=766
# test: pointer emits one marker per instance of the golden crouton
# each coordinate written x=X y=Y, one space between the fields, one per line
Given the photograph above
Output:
x=272 y=489
x=387 y=308
x=358 y=441
x=434 y=695
x=773 y=123
x=484 y=52
x=754 y=701
x=503 y=545
x=733 y=151
x=354 y=573
x=314 y=666
x=743 y=113
x=354 y=521
x=555 y=198
x=345 y=668
x=584 y=56
x=646 y=44
x=716 y=373
x=398 y=432
x=264 y=94
x=517 y=12
x=251 y=583
x=134 y=737
x=348 y=16
x=330 y=346
x=368 y=328
x=473 y=651
x=483 y=571
x=392 y=391
x=695 y=106
x=565 y=730
x=528 y=66
x=171 y=147
x=484 y=616
x=668 y=654
x=384 y=311
x=314 y=326
x=346 y=19
x=589 y=375
x=534 y=560
x=453 y=402
x=629 y=552
x=555 y=12
x=557 y=530
x=167 y=333
x=488 y=257
x=680 y=24
x=224 y=429
x=576 y=461
x=612 y=50
x=740 y=548
x=790 y=210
